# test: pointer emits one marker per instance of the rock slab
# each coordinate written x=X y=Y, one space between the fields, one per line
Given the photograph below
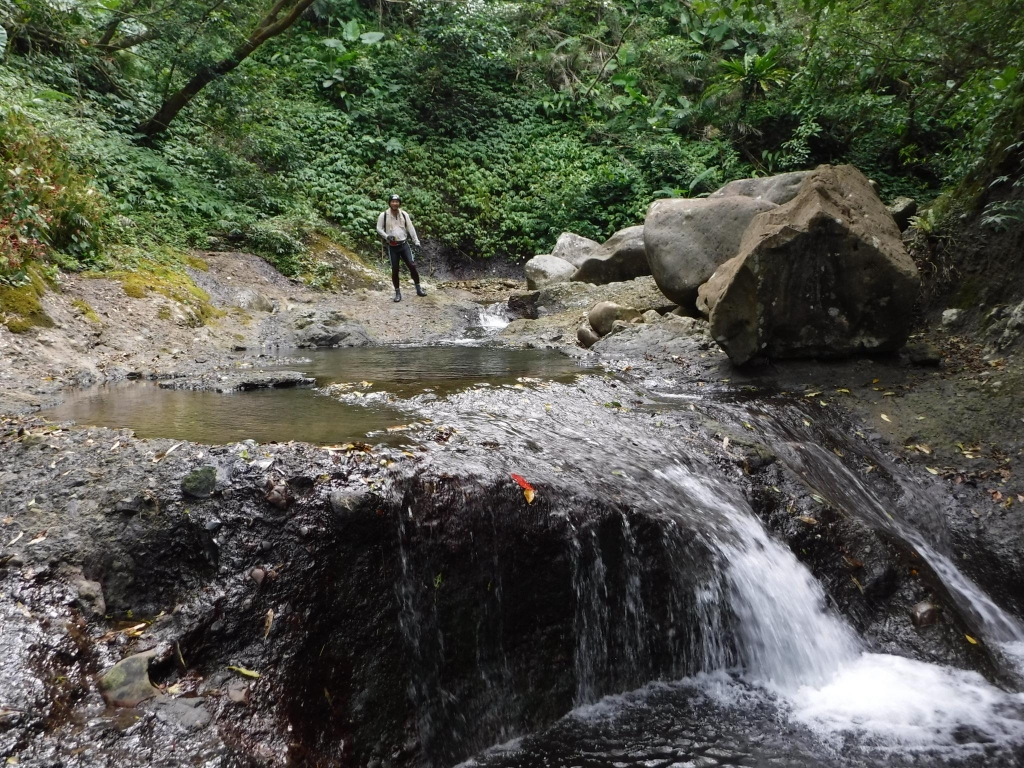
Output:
x=544 y=270
x=574 y=248
x=622 y=257
x=825 y=275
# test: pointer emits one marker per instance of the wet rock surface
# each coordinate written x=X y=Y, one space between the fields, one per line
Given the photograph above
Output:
x=409 y=606
x=239 y=382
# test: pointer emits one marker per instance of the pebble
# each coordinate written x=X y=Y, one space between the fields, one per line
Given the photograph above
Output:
x=257 y=575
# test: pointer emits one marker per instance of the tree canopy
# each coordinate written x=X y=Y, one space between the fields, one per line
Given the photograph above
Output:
x=502 y=123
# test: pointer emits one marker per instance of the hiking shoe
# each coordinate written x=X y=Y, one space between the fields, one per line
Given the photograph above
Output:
x=398 y=296
x=420 y=291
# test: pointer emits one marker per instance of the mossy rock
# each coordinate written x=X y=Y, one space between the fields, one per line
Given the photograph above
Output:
x=127 y=683
x=173 y=283
x=20 y=306
x=201 y=483
x=85 y=310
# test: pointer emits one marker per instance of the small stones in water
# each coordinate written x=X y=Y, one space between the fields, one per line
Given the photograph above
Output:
x=238 y=692
x=266 y=546
x=925 y=614
x=277 y=493
x=201 y=483
x=257 y=575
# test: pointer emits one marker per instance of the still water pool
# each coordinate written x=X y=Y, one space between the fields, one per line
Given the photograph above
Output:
x=382 y=377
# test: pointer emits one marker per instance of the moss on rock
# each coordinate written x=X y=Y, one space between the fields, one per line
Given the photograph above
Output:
x=21 y=308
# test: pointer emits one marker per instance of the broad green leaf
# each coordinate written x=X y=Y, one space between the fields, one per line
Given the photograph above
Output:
x=335 y=43
x=371 y=38
x=3 y=42
x=51 y=96
x=351 y=31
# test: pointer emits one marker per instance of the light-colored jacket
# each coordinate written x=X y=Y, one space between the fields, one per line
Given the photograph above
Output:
x=398 y=227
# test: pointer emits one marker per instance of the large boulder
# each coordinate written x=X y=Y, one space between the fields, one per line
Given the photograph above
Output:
x=688 y=239
x=825 y=275
x=621 y=257
x=574 y=248
x=778 y=189
x=547 y=270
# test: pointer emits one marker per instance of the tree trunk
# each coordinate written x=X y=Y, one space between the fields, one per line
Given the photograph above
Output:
x=268 y=27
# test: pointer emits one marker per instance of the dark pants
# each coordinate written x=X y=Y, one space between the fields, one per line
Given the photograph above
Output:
x=399 y=253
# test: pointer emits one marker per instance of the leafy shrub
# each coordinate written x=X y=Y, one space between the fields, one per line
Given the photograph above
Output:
x=46 y=206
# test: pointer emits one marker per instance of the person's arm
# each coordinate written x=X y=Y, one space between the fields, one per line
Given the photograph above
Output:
x=380 y=226
x=412 y=230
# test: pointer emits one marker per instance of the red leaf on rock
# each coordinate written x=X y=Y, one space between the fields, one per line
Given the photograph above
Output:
x=522 y=482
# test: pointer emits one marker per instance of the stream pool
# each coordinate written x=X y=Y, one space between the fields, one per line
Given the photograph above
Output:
x=354 y=397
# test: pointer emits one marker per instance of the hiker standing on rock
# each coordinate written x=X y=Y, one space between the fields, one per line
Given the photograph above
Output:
x=395 y=228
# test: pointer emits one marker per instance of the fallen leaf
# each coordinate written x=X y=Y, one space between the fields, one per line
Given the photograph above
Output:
x=875 y=381
x=37 y=539
x=245 y=672
x=843 y=391
x=268 y=622
x=971 y=640
x=167 y=453
x=933 y=471
x=886 y=418
x=807 y=520
x=859 y=585
x=528 y=491
x=175 y=689
x=15 y=540
x=822 y=403
x=924 y=449
x=812 y=394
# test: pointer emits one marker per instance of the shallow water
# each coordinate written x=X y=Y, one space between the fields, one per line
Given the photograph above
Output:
x=361 y=406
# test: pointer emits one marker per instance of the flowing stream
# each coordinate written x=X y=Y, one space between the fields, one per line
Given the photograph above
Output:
x=724 y=643
x=760 y=670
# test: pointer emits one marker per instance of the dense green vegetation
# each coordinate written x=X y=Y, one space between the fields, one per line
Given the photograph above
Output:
x=501 y=123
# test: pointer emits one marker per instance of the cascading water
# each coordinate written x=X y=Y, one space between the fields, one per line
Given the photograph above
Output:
x=682 y=580
x=834 y=479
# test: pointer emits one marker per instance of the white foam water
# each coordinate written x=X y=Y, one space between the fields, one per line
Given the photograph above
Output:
x=890 y=703
x=791 y=645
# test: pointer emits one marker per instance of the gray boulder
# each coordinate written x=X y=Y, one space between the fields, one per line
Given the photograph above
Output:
x=902 y=209
x=604 y=314
x=574 y=248
x=545 y=270
x=687 y=240
x=253 y=301
x=621 y=257
x=778 y=189
x=951 y=318
x=825 y=275
x=319 y=328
